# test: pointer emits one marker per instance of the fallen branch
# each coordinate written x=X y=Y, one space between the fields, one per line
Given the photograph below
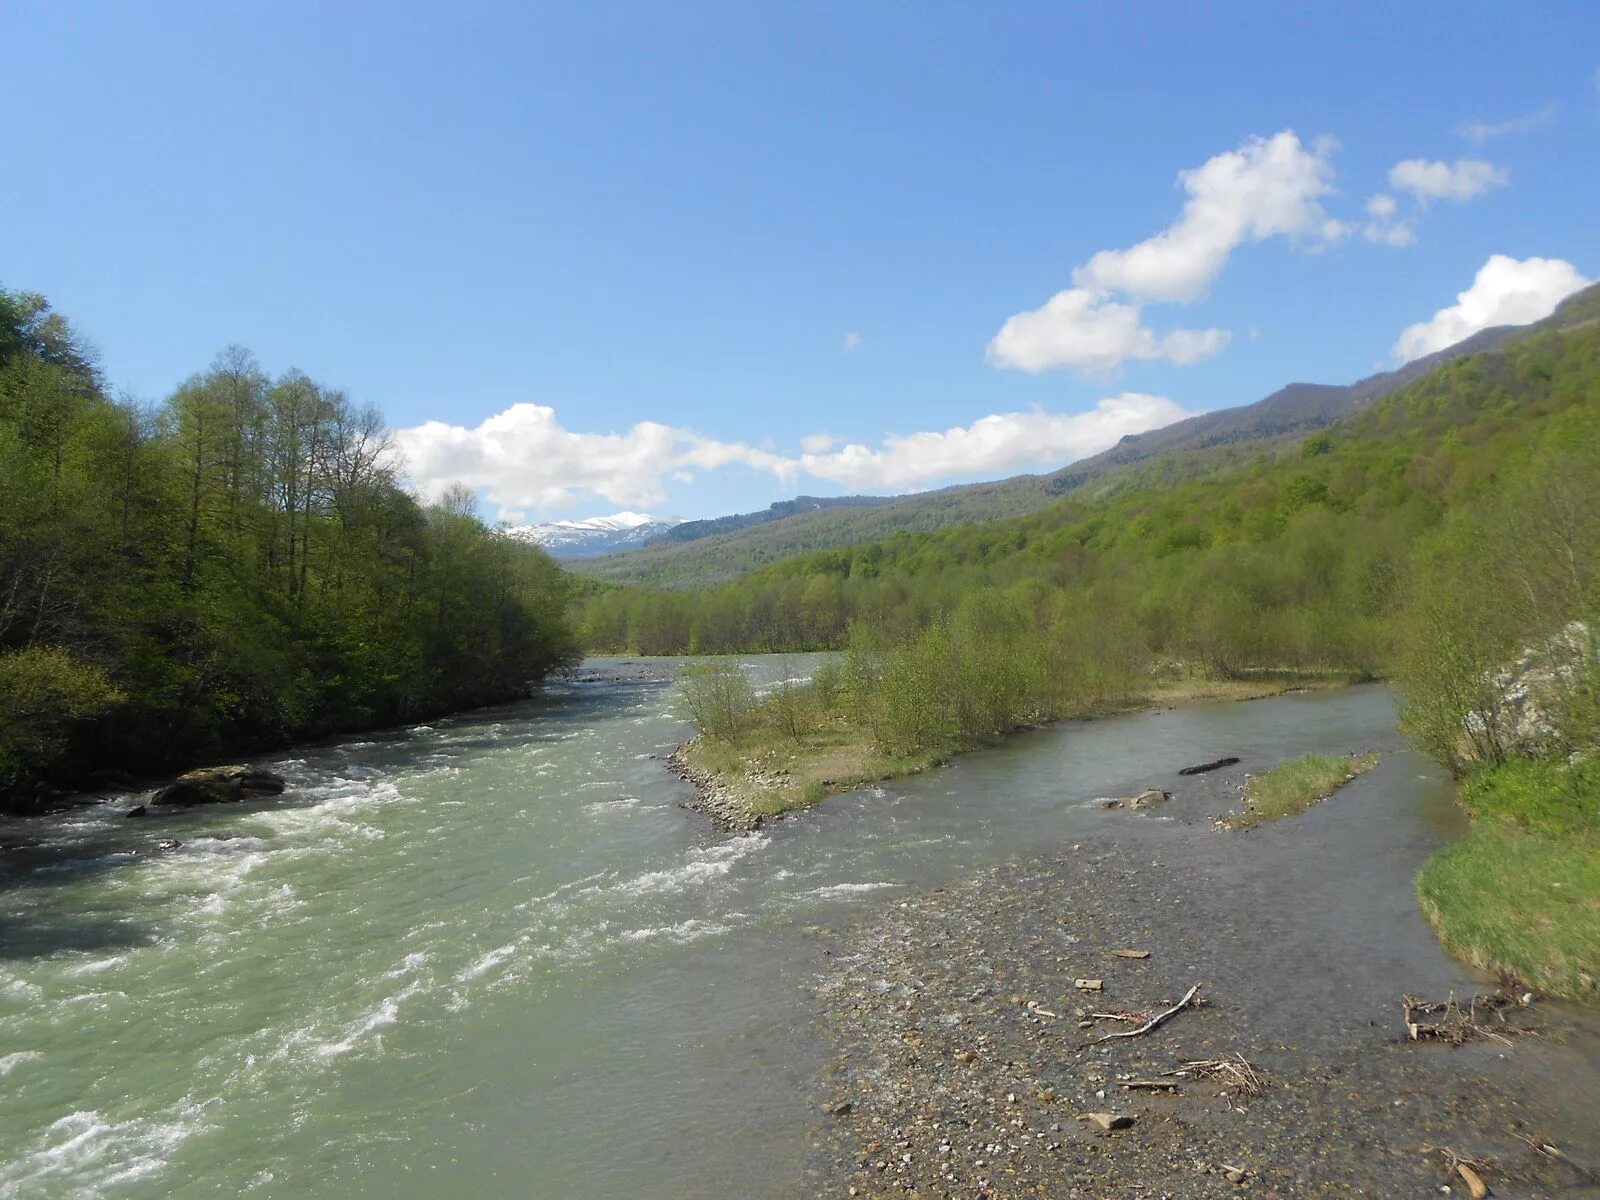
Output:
x=1156 y=1020
x=1454 y=1024
x=1149 y=1085
x=1214 y=765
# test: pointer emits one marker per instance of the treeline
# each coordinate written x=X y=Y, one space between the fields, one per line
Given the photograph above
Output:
x=1294 y=555
x=237 y=567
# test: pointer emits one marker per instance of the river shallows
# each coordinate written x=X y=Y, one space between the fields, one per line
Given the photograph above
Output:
x=494 y=957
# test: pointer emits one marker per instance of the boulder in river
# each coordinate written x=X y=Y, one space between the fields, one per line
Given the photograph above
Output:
x=1145 y=799
x=219 y=785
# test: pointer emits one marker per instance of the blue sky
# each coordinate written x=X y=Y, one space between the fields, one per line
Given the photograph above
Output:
x=599 y=256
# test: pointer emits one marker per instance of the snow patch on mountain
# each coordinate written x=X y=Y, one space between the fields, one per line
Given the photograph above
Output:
x=590 y=536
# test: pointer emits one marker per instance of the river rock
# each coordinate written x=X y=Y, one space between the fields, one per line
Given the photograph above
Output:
x=219 y=785
x=1109 y=1121
x=1524 y=716
x=1145 y=799
x=138 y=810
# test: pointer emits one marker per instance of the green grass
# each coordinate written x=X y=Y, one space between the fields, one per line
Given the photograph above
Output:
x=1521 y=892
x=1292 y=787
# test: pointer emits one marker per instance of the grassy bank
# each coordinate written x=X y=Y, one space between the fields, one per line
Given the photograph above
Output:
x=755 y=760
x=1292 y=787
x=1521 y=892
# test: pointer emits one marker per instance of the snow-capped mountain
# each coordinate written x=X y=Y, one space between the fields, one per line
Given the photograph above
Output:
x=594 y=535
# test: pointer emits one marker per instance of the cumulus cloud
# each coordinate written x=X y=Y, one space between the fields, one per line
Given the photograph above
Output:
x=1003 y=442
x=522 y=458
x=817 y=443
x=1088 y=330
x=1269 y=187
x=1460 y=182
x=1506 y=291
x=1483 y=131
x=1385 y=225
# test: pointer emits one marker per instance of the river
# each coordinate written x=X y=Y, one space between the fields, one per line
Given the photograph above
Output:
x=495 y=956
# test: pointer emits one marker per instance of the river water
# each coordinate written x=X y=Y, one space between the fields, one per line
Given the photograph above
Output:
x=495 y=956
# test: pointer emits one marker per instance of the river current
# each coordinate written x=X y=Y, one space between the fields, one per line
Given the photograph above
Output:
x=495 y=956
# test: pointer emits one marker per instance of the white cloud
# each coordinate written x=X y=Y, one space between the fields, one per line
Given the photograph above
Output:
x=1467 y=178
x=1506 y=291
x=522 y=458
x=1482 y=131
x=1384 y=225
x=525 y=462
x=1269 y=187
x=1088 y=330
x=1003 y=442
x=852 y=341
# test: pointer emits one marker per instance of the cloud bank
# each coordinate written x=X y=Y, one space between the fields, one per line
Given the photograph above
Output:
x=524 y=461
x=522 y=458
x=1002 y=442
x=1506 y=291
x=1268 y=187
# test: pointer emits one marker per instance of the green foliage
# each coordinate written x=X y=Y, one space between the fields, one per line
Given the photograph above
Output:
x=719 y=699
x=1521 y=892
x=239 y=566
x=1292 y=787
x=44 y=692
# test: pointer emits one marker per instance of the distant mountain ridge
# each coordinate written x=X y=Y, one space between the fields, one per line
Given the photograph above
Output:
x=691 y=531
x=1292 y=411
x=591 y=536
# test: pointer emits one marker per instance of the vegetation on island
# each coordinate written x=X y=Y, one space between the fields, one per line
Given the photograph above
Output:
x=1292 y=787
x=233 y=568
x=886 y=709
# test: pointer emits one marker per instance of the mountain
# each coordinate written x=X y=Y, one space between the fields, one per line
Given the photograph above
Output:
x=595 y=535
x=1290 y=412
x=691 y=531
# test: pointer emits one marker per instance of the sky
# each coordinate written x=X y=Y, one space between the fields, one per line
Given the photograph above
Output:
x=693 y=258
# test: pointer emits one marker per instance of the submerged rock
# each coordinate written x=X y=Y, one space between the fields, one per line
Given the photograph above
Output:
x=1145 y=799
x=219 y=785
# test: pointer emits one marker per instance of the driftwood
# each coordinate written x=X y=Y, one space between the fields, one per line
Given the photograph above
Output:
x=1202 y=768
x=1155 y=1021
x=1449 y=1022
x=1149 y=1085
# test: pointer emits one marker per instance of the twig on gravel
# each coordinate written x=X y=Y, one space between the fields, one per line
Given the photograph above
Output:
x=1156 y=1020
x=1129 y=1017
x=1237 y=1072
x=1548 y=1150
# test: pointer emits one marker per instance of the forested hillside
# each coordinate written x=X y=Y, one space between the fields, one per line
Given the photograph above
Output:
x=237 y=567
x=1296 y=554
x=1290 y=413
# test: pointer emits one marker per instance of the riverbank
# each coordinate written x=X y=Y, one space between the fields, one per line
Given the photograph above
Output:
x=974 y=1029
x=770 y=771
x=1520 y=894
